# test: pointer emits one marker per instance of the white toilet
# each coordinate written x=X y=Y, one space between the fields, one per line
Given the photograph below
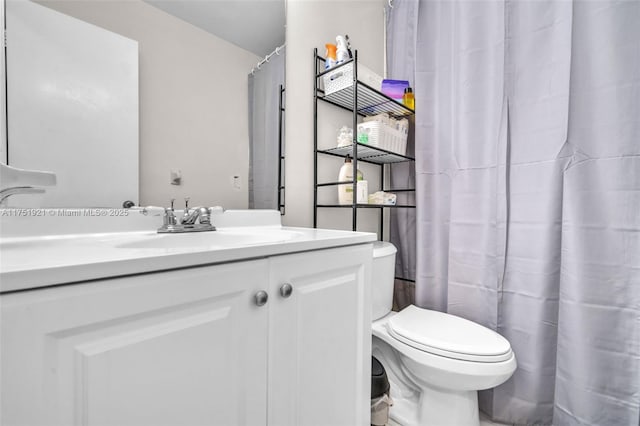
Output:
x=436 y=362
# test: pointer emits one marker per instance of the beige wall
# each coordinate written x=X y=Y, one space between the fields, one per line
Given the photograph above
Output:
x=312 y=24
x=193 y=102
x=3 y=123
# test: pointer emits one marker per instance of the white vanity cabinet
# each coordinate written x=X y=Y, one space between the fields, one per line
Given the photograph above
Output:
x=183 y=347
x=320 y=338
x=193 y=347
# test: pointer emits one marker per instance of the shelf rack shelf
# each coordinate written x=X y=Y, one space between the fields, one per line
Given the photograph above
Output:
x=368 y=206
x=368 y=154
x=369 y=100
x=361 y=100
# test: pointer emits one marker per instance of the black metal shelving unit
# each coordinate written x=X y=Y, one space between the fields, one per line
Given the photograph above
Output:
x=362 y=100
x=281 y=169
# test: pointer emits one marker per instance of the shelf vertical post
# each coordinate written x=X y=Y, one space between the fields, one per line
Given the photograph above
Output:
x=354 y=209
x=315 y=137
x=281 y=182
x=382 y=166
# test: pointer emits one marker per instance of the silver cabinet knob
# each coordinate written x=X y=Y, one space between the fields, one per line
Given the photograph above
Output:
x=261 y=298
x=285 y=290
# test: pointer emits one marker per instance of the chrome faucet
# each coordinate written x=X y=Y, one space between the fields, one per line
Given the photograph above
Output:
x=170 y=224
x=8 y=192
x=16 y=181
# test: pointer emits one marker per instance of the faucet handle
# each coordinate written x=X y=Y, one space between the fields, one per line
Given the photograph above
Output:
x=169 y=217
x=150 y=210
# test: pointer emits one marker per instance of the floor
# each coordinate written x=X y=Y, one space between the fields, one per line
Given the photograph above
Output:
x=484 y=421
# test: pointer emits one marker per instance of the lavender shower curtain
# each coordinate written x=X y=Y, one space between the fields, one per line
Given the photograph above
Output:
x=527 y=151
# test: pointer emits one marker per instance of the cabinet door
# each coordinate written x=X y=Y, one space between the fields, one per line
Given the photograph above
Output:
x=185 y=347
x=320 y=338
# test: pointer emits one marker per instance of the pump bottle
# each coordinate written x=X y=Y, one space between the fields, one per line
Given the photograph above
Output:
x=345 y=191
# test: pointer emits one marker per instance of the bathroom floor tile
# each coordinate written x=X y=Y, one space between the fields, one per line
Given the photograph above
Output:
x=484 y=421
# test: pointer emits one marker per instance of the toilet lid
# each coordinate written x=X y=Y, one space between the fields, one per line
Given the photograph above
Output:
x=448 y=335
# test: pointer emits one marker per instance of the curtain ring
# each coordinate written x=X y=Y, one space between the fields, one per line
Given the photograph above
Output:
x=266 y=58
x=390 y=3
x=278 y=50
x=258 y=66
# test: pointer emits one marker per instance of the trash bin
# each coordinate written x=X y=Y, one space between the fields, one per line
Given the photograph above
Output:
x=380 y=399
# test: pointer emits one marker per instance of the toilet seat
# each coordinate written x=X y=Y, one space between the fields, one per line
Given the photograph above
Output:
x=447 y=335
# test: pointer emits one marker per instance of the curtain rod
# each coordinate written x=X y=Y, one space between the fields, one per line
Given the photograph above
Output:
x=266 y=58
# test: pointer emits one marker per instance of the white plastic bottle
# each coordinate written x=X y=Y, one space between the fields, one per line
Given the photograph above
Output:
x=342 y=52
x=345 y=191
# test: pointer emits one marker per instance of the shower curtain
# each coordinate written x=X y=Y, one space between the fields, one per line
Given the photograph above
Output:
x=528 y=192
x=264 y=97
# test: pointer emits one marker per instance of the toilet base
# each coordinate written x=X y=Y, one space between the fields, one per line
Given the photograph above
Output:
x=418 y=403
x=433 y=407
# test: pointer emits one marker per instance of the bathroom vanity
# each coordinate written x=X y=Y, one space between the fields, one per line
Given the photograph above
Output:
x=247 y=325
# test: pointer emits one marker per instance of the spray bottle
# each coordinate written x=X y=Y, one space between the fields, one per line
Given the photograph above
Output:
x=342 y=53
x=330 y=60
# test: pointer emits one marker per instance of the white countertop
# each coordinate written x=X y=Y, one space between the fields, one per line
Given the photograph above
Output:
x=33 y=261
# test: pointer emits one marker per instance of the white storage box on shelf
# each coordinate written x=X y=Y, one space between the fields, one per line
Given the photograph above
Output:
x=383 y=136
x=342 y=78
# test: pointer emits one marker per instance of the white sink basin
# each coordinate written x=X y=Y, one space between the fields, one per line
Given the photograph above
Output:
x=210 y=240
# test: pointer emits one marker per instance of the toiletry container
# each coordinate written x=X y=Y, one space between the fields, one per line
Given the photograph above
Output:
x=342 y=53
x=408 y=99
x=345 y=191
x=345 y=136
x=394 y=88
x=330 y=60
x=362 y=189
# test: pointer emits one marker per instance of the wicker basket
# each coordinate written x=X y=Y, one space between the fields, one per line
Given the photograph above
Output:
x=383 y=136
x=342 y=78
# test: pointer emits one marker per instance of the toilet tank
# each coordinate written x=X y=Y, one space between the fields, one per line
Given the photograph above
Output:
x=382 y=278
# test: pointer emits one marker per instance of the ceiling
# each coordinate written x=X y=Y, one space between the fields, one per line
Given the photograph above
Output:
x=254 y=25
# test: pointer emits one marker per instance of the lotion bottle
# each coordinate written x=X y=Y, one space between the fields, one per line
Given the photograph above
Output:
x=345 y=191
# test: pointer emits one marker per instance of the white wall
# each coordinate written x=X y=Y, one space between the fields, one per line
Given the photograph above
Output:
x=193 y=102
x=312 y=23
x=3 y=124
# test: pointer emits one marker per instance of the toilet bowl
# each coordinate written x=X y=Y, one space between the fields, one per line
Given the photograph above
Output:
x=436 y=362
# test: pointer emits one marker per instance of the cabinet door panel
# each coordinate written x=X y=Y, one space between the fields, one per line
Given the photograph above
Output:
x=174 y=348
x=321 y=335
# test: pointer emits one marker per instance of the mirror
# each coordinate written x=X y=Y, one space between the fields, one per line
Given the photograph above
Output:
x=191 y=109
